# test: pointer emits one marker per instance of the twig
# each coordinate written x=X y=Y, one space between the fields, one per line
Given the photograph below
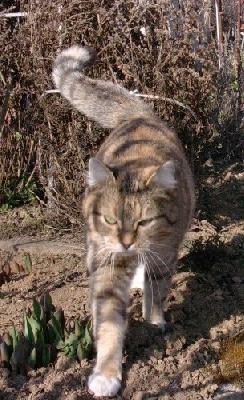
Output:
x=2 y=78
x=4 y=109
x=168 y=100
x=238 y=64
x=50 y=171
x=218 y=11
x=14 y=14
x=50 y=91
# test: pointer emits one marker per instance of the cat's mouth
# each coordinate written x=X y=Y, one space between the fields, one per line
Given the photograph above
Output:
x=120 y=248
x=125 y=250
x=126 y=253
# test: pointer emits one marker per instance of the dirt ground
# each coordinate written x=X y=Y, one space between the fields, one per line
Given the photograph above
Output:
x=205 y=305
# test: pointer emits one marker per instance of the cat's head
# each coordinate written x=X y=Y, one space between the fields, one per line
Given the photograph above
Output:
x=129 y=213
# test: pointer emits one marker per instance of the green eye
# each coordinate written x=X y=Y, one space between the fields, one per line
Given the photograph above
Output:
x=110 y=220
x=145 y=222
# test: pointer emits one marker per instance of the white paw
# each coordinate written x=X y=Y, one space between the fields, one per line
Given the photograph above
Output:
x=161 y=323
x=100 y=385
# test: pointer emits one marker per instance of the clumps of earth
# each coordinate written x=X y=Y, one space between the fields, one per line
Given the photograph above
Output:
x=200 y=357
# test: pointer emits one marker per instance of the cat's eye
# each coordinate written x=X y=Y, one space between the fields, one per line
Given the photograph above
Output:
x=110 y=220
x=145 y=222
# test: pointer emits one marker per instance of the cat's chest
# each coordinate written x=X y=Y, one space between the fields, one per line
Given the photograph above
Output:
x=139 y=277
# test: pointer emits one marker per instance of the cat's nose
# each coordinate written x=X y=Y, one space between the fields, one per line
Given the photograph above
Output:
x=127 y=245
x=127 y=240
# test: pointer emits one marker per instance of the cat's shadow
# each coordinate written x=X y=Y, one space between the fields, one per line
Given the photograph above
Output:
x=203 y=296
x=143 y=340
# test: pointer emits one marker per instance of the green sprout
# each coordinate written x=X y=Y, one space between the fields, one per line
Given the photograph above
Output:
x=44 y=337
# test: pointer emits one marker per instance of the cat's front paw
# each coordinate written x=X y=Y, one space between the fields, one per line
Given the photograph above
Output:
x=161 y=324
x=101 y=385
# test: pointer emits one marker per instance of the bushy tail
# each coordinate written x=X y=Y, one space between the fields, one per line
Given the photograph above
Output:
x=104 y=102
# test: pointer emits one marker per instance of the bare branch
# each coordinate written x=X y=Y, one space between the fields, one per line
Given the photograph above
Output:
x=168 y=100
x=4 y=109
x=14 y=14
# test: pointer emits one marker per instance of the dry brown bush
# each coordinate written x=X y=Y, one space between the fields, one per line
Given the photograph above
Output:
x=42 y=137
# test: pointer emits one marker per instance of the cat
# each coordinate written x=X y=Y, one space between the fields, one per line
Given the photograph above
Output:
x=138 y=205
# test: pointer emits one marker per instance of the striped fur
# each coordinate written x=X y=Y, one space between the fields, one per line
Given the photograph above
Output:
x=138 y=206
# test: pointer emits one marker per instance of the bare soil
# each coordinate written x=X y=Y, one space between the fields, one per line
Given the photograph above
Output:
x=204 y=308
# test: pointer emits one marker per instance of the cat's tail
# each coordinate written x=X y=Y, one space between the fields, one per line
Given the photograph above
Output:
x=104 y=102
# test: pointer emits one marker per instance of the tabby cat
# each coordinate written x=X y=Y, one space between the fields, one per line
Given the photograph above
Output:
x=138 y=205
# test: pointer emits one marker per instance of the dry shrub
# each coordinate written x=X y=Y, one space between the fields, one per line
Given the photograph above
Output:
x=156 y=47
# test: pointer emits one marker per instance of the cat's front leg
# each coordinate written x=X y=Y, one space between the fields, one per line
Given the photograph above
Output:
x=109 y=314
x=158 y=279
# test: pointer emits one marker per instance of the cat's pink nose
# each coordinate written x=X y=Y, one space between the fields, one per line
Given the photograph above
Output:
x=126 y=245
x=127 y=239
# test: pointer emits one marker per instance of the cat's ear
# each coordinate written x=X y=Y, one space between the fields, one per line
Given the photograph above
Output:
x=98 y=173
x=165 y=176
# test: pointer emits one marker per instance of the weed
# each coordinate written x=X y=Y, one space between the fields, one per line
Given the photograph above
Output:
x=43 y=337
x=16 y=193
x=231 y=365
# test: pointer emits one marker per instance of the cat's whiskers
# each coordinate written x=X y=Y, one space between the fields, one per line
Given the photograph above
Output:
x=144 y=259
x=160 y=259
x=151 y=260
x=155 y=277
x=106 y=258
x=103 y=255
x=111 y=266
x=159 y=244
x=102 y=249
x=100 y=253
x=152 y=266
x=155 y=255
x=103 y=259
